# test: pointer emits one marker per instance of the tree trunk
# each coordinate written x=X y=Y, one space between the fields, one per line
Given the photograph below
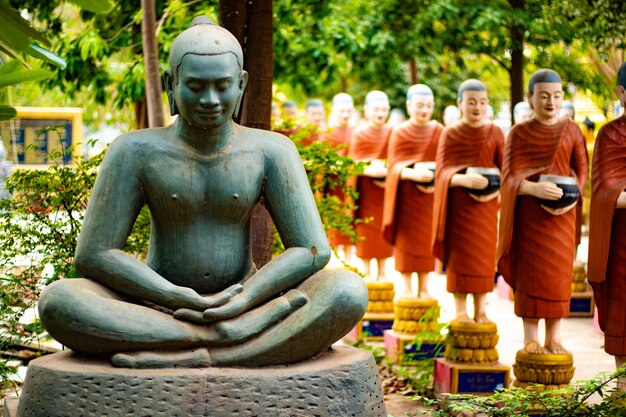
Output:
x=517 y=60
x=413 y=76
x=154 y=91
x=251 y=21
x=141 y=115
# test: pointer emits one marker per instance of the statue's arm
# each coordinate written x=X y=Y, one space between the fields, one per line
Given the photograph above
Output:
x=113 y=208
x=290 y=202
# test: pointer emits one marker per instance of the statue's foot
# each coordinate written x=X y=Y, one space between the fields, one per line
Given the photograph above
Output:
x=534 y=347
x=464 y=318
x=482 y=319
x=408 y=294
x=424 y=295
x=254 y=322
x=555 y=346
x=194 y=358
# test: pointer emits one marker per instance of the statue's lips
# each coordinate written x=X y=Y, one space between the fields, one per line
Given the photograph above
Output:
x=209 y=113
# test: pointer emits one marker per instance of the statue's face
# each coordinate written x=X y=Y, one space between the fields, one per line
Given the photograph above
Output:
x=316 y=115
x=546 y=101
x=473 y=107
x=377 y=112
x=420 y=109
x=621 y=93
x=344 y=114
x=208 y=89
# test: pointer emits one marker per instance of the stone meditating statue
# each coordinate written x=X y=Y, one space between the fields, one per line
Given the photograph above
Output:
x=536 y=242
x=464 y=223
x=199 y=300
x=607 y=231
x=408 y=212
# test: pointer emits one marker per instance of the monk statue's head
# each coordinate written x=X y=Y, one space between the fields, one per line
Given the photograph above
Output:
x=420 y=104
x=621 y=84
x=545 y=95
x=522 y=112
x=376 y=108
x=568 y=111
x=451 y=115
x=206 y=80
x=342 y=109
x=315 y=112
x=473 y=101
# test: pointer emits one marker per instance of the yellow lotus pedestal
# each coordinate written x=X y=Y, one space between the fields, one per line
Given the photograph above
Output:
x=581 y=303
x=412 y=317
x=415 y=315
x=380 y=297
x=552 y=370
x=470 y=365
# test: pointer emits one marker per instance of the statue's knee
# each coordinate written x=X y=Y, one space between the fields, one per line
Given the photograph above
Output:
x=56 y=300
x=350 y=292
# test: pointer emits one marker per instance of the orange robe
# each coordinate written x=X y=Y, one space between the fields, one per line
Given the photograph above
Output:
x=337 y=137
x=607 y=234
x=535 y=248
x=370 y=143
x=408 y=212
x=465 y=230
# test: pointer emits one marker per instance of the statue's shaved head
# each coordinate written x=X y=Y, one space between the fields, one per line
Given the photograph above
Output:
x=543 y=76
x=204 y=37
x=471 y=85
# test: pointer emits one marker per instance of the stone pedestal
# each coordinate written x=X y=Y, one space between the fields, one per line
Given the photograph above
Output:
x=372 y=326
x=404 y=348
x=341 y=382
x=413 y=316
x=470 y=364
x=381 y=296
x=551 y=370
x=472 y=343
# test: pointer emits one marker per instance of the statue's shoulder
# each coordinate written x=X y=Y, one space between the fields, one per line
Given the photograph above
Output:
x=138 y=141
x=271 y=144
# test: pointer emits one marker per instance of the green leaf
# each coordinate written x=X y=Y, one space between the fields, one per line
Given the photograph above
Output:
x=11 y=66
x=7 y=112
x=23 y=76
x=46 y=55
x=15 y=32
x=96 y=6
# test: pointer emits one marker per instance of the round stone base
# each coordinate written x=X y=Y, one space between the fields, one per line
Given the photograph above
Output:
x=552 y=369
x=380 y=297
x=341 y=382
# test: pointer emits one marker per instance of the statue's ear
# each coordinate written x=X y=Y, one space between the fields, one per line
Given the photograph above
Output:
x=168 y=86
x=529 y=100
x=243 y=82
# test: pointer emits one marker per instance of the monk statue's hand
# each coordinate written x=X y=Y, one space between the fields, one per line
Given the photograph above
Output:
x=236 y=305
x=485 y=198
x=474 y=181
x=375 y=171
x=197 y=304
x=558 y=212
x=545 y=190
x=417 y=174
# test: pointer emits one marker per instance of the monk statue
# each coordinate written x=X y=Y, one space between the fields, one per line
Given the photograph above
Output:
x=522 y=112
x=451 y=116
x=199 y=300
x=536 y=240
x=369 y=143
x=339 y=137
x=408 y=211
x=315 y=113
x=465 y=218
x=607 y=231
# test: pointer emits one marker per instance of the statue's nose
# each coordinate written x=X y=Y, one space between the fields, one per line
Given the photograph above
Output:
x=209 y=98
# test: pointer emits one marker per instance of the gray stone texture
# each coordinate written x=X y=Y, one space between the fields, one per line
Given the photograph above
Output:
x=342 y=382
